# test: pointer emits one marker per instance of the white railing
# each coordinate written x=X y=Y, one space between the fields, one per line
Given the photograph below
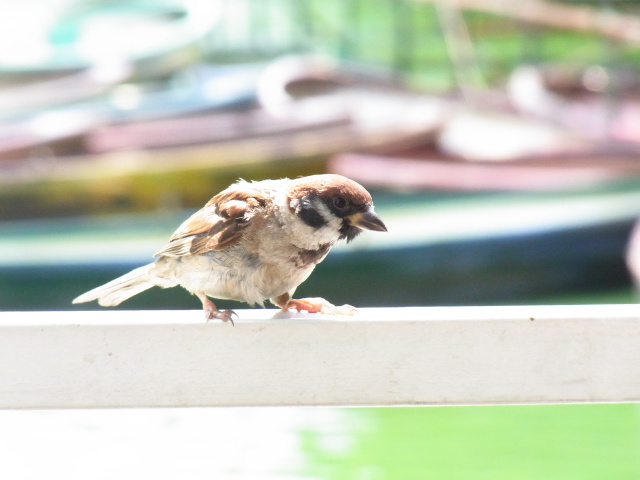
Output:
x=392 y=356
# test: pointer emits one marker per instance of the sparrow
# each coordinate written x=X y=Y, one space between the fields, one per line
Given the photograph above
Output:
x=254 y=241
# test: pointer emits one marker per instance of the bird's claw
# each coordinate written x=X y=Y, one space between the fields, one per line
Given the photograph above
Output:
x=224 y=315
x=211 y=311
x=320 y=305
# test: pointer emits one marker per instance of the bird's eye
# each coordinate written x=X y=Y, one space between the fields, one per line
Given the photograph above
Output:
x=339 y=202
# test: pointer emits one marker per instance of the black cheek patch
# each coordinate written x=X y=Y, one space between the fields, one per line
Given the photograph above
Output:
x=309 y=215
x=348 y=231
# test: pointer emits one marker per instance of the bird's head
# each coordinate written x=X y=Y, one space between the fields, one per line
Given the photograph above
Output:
x=334 y=202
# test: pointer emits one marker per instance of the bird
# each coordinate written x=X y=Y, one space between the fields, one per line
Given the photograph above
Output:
x=252 y=242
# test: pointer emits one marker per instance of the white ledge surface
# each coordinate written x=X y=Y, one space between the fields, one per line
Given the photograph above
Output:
x=391 y=356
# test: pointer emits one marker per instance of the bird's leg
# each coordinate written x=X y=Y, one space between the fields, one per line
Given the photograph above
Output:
x=313 y=305
x=211 y=311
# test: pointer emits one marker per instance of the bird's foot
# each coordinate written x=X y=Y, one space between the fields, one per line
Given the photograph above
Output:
x=320 y=305
x=224 y=315
x=211 y=311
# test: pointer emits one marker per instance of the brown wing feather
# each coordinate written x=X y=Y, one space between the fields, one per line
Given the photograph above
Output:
x=218 y=225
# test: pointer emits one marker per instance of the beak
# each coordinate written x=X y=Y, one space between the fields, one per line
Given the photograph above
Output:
x=367 y=220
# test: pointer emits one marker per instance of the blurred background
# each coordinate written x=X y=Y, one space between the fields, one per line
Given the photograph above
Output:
x=500 y=141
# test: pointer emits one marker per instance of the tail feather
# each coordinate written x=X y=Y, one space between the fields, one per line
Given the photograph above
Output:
x=118 y=290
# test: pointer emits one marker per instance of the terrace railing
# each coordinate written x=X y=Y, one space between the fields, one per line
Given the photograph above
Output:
x=391 y=356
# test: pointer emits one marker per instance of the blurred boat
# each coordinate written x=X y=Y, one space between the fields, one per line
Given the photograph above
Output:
x=561 y=127
x=489 y=151
x=68 y=129
x=597 y=101
x=304 y=111
x=441 y=249
x=21 y=96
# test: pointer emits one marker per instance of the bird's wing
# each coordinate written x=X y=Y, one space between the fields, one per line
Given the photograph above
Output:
x=218 y=225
